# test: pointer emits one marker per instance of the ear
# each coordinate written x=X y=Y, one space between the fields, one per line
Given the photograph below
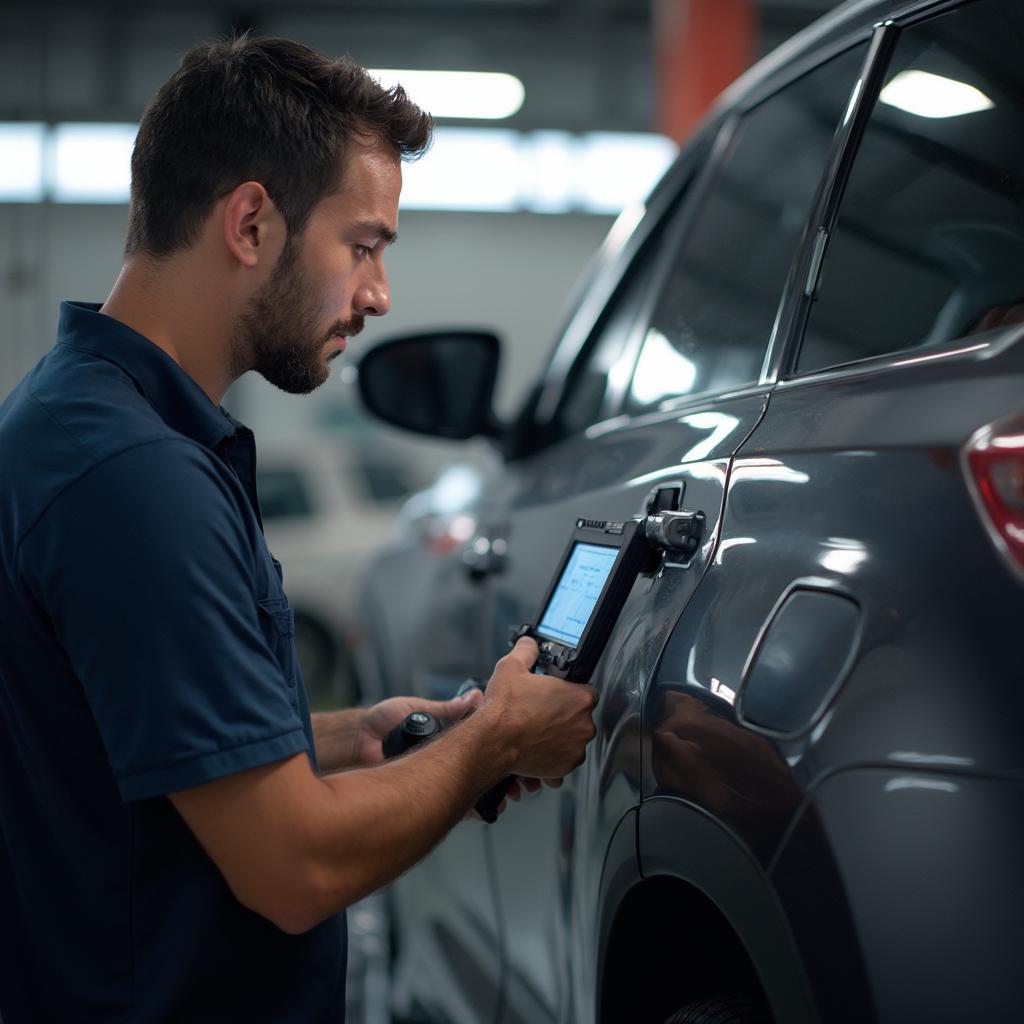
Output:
x=251 y=223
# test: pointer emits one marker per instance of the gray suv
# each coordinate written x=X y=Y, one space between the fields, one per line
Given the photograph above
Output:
x=805 y=800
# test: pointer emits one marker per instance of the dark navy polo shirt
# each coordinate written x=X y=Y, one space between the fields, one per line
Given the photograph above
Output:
x=145 y=647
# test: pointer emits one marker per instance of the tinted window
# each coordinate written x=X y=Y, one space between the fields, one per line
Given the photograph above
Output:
x=712 y=322
x=590 y=391
x=929 y=245
x=282 y=494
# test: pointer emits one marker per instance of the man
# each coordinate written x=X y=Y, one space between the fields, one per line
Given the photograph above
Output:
x=177 y=838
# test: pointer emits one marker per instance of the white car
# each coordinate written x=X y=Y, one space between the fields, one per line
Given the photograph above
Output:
x=327 y=507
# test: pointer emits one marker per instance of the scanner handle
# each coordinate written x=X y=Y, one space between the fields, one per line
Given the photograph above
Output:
x=487 y=806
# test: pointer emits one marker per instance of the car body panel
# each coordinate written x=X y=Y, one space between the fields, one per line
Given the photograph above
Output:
x=678 y=839
x=912 y=695
x=620 y=874
x=807 y=882
x=583 y=478
x=959 y=837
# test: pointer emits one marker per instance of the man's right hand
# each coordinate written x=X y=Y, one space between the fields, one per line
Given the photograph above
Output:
x=547 y=721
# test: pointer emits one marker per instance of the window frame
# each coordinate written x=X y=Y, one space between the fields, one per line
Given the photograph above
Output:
x=826 y=214
x=691 y=206
x=676 y=224
x=583 y=330
x=666 y=234
x=728 y=135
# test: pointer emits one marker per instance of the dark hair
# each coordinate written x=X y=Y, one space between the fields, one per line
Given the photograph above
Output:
x=256 y=109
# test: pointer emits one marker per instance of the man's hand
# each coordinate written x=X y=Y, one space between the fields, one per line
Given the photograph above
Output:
x=379 y=720
x=546 y=720
x=521 y=786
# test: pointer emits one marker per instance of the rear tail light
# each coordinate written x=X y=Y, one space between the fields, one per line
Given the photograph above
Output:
x=995 y=465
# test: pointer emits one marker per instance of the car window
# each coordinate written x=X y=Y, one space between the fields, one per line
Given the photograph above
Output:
x=592 y=384
x=283 y=494
x=929 y=243
x=714 y=315
x=384 y=482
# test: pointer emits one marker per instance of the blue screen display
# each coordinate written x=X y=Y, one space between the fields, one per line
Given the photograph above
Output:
x=580 y=586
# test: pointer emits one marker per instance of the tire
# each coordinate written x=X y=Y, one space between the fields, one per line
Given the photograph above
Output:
x=728 y=1009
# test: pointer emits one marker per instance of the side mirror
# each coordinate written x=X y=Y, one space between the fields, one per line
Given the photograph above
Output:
x=440 y=383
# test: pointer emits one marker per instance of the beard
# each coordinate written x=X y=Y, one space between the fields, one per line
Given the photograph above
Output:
x=278 y=336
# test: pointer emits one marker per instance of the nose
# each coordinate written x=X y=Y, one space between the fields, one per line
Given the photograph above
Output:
x=373 y=296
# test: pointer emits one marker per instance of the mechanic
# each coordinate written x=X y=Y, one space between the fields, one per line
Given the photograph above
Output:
x=178 y=838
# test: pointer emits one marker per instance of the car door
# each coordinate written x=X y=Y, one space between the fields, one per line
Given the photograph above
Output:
x=668 y=388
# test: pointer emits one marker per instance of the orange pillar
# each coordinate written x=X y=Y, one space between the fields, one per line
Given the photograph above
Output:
x=700 y=47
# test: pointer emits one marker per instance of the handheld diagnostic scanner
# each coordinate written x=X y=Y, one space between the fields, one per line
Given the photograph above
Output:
x=587 y=592
x=594 y=578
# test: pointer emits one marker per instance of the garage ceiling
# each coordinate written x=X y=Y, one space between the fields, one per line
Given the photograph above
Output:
x=586 y=64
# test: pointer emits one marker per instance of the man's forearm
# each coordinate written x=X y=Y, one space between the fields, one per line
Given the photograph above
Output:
x=297 y=848
x=380 y=821
x=335 y=735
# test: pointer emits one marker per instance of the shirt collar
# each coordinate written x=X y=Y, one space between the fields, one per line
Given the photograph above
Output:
x=176 y=397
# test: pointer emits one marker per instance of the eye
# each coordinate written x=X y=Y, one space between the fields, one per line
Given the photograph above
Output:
x=362 y=251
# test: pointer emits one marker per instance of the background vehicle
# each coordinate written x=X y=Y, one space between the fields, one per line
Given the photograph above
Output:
x=325 y=505
x=430 y=525
x=805 y=796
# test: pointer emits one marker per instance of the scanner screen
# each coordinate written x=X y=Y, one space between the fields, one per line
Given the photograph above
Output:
x=576 y=594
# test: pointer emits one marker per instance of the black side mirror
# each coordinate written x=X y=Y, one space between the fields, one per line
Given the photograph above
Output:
x=440 y=383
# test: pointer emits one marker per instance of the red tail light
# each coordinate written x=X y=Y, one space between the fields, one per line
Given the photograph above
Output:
x=995 y=461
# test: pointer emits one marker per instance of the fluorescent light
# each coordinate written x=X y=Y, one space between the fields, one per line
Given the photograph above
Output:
x=549 y=171
x=928 y=95
x=466 y=169
x=21 y=162
x=620 y=168
x=543 y=172
x=91 y=163
x=480 y=95
x=473 y=169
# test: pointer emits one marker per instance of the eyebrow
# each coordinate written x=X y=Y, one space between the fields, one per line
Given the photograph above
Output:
x=376 y=227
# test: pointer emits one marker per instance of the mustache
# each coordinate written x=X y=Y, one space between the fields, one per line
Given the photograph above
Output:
x=347 y=328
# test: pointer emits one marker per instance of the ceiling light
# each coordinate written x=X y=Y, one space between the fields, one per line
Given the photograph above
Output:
x=21 y=162
x=92 y=162
x=544 y=172
x=473 y=169
x=466 y=169
x=478 y=95
x=619 y=168
x=928 y=95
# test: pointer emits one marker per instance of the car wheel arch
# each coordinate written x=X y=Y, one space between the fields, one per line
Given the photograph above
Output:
x=689 y=894
x=650 y=965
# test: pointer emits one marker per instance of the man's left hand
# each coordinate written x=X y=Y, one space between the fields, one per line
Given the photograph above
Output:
x=379 y=720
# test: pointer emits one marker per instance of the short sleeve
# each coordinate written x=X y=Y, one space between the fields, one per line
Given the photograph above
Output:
x=147 y=569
